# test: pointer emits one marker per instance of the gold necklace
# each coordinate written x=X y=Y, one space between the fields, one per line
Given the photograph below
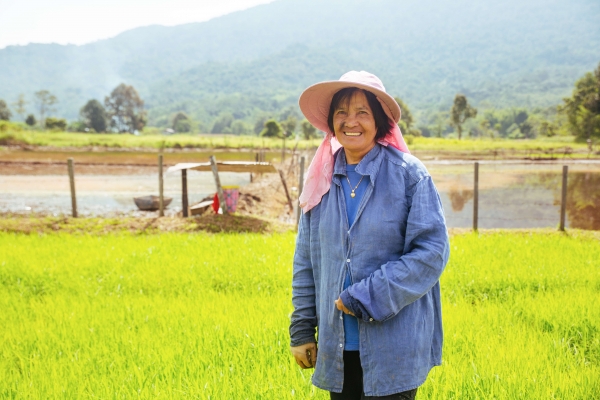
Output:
x=352 y=194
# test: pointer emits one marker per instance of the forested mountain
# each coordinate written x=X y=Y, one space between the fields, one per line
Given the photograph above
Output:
x=255 y=62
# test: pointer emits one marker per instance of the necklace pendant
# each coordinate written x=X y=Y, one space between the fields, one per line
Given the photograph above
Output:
x=353 y=195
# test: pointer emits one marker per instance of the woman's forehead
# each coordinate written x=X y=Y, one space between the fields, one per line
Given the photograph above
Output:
x=356 y=100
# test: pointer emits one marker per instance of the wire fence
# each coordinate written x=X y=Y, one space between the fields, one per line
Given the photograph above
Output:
x=524 y=199
x=508 y=194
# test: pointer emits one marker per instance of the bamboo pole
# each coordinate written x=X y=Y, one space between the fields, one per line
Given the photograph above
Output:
x=161 y=198
x=71 y=169
x=563 y=203
x=213 y=163
x=476 y=197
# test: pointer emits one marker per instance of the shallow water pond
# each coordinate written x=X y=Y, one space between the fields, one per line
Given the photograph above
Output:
x=511 y=195
x=519 y=195
x=108 y=190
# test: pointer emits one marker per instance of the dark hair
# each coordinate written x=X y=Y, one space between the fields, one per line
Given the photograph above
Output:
x=343 y=96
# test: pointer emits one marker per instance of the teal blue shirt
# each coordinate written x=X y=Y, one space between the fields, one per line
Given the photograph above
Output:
x=351 y=338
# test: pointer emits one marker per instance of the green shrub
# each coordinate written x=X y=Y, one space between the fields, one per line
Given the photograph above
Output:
x=58 y=124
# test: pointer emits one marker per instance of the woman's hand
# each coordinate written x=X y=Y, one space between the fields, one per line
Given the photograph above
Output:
x=340 y=306
x=305 y=355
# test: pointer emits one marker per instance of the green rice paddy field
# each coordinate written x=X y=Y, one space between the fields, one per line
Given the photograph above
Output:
x=201 y=316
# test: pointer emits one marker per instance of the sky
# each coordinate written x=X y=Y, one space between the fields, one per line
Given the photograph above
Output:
x=84 y=21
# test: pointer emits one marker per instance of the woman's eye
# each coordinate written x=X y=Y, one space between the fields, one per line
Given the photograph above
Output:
x=338 y=112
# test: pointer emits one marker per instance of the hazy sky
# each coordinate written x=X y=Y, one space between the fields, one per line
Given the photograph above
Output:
x=84 y=21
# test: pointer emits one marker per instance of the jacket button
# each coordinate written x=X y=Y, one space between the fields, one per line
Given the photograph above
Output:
x=341 y=345
x=348 y=260
x=371 y=319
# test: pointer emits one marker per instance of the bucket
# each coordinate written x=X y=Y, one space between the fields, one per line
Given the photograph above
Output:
x=231 y=194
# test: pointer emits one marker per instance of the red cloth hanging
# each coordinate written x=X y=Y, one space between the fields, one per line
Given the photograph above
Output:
x=215 y=204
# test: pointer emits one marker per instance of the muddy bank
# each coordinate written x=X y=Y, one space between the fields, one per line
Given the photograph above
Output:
x=513 y=193
x=42 y=188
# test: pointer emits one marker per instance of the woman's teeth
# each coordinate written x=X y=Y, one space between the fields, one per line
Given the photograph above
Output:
x=352 y=133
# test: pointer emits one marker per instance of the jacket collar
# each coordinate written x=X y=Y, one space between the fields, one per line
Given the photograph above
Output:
x=369 y=165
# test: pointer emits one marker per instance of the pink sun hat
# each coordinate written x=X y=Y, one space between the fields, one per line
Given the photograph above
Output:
x=314 y=103
x=316 y=99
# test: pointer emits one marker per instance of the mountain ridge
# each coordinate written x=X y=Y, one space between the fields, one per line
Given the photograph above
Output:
x=508 y=53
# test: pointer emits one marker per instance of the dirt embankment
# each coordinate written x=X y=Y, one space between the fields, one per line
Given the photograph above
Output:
x=262 y=208
x=263 y=205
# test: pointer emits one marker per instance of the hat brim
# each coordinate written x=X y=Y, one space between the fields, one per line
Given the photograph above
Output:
x=315 y=102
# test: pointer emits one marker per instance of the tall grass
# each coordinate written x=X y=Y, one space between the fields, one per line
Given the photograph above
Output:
x=149 y=141
x=554 y=146
x=206 y=316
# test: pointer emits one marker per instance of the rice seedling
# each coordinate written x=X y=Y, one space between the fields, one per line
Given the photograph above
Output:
x=205 y=316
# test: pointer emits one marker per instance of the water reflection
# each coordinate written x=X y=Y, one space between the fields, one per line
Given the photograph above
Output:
x=583 y=198
x=510 y=195
x=520 y=196
x=459 y=197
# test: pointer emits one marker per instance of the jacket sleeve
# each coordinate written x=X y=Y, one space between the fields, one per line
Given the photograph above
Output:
x=304 y=317
x=397 y=284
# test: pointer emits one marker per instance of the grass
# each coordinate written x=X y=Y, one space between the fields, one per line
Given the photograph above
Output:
x=181 y=315
x=541 y=148
x=146 y=141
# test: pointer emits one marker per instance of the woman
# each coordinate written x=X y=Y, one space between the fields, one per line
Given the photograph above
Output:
x=371 y=246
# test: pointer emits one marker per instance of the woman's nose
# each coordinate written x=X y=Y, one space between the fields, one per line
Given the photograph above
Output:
x=350 y=121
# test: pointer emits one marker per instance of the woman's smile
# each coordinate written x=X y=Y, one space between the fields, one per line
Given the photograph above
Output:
x=355 y=127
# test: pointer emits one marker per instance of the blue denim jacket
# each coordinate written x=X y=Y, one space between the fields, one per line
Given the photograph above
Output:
x=396 y=251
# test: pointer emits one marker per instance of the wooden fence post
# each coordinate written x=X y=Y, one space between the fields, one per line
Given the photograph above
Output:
x=213 y=164
x=563 y=203
x=300 y=188
x=287 y=194
x=161 y=201
x=476 y=197
x=184 y=193
x=72 y=184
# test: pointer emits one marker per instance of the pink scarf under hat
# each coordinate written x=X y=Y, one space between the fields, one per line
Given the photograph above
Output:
x=320 y=171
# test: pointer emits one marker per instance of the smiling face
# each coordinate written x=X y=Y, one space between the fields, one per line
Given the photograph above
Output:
x=354 y=126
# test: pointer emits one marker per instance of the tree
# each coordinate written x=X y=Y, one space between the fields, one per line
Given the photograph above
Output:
x=526 y=129
x=308 y=131
x=30 y=120
x=407 y=121
x=94 y=115
x=260 y=124
x=547 y=129
x=239 y=127
x=461 y=111
x=407 y=117
x=19 y=105
x=272 y=129
x=182 y=123
x=58 y=124
x=223 y=123
x=5 y=113
x=440 y=123
x=583 y=107
x=45 y=102
x=289 y=125
x=125 y=109
x=485 y=126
